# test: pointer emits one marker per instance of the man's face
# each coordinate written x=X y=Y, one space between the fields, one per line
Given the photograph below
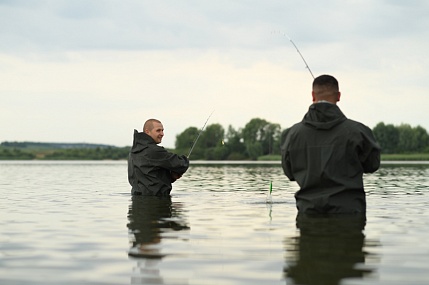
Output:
x=157 y=132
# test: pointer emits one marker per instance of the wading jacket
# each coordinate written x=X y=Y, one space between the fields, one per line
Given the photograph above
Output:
x=150 y=167
x=327 y=154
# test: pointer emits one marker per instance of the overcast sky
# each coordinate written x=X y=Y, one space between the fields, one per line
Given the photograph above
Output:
x=93 y=71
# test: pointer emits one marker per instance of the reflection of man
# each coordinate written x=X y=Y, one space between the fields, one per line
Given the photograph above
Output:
x=328 y=250
x=327 y=154
x=151 y=168
x=148 y=217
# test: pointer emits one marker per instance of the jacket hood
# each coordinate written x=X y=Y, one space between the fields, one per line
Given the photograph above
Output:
x=141 y=141
x=323 y=116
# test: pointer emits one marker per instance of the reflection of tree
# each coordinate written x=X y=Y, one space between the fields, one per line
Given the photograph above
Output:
x=149 y=217
x=328 y=249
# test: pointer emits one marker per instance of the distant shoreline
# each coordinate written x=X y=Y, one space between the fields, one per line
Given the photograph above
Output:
x=384 y=160
x=195 y=163
x=384 y=157
x=84 y=151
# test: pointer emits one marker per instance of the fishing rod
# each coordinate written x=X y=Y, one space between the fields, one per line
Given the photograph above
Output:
x=306 y=65
x=199 y=134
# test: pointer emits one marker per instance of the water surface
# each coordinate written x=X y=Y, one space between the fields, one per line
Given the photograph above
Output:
x=76 y=223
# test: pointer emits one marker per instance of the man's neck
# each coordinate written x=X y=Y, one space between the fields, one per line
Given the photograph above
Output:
x=324 y=101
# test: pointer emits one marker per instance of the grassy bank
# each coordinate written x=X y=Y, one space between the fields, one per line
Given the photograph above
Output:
x=402 y=157
x=116 y=153
x=271 y=157
x=384 y=157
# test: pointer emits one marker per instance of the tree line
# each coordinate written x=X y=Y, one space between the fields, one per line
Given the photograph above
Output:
x=258 y=138
x=262 y=138
x=402 y=139
x=43 y=151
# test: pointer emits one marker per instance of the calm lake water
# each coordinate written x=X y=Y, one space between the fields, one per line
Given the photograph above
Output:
x=75 y=223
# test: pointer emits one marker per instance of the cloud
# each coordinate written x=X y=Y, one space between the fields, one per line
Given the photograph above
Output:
x=94 y=70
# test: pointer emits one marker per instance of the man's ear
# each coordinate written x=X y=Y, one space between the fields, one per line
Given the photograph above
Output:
x=312 y=95
x=339 y=95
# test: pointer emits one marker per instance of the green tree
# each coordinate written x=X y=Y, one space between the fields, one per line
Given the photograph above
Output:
x=401 y=139
x=406 y=143
x=422 y=138
x=261 y=137
x=412 y=140
x=185 y=139
x=216 y=153
x=271 y=144
x=15 y=154
x=236 y=149
x=387 y=136
x=97 y=153
x=211 y=141
x=254 y=149
x=212 y=136
x=209 y=144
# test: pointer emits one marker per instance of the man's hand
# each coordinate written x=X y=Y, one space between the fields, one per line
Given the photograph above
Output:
x=175 y=176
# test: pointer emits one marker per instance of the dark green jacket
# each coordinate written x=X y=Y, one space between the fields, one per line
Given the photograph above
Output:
x=327 y=154
x=150 y=167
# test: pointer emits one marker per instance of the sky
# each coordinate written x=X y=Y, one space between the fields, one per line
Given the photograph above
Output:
x=93 y=71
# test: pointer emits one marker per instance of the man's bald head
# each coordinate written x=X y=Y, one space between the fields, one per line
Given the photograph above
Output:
x=154 y=129
x=149 y=124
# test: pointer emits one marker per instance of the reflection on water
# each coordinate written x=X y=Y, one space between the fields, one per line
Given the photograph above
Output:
x=149 y=219
x=76 y=223
x=327 y=250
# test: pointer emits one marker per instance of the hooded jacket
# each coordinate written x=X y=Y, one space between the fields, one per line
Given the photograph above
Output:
x=327 y=154
x=150 y=167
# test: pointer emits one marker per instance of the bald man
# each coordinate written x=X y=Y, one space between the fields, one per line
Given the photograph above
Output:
x=151 y=168
x=327 y=154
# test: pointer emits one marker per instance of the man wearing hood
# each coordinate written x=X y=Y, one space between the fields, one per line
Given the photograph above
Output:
x=327 y=154
x=151 y=168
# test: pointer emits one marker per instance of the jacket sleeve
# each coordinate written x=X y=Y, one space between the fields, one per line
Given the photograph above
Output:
x=370 y=152
x=162 y=158
x=286 y=165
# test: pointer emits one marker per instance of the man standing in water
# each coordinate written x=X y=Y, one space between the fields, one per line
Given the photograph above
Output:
x=151 y=168
x=327 y=154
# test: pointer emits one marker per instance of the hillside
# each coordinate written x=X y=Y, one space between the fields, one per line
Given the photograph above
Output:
x=50 y=145
x=60 y=151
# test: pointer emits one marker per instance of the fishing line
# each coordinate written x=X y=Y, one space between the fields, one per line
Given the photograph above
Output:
x=199 y=134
